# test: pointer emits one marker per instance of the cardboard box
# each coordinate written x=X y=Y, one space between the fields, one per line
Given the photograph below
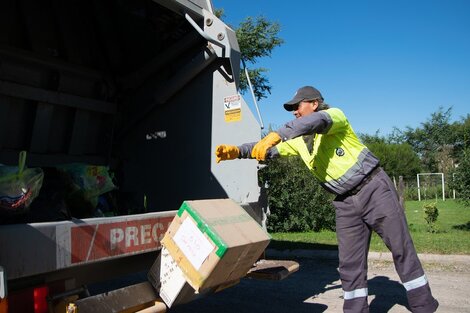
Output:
x=213 y=243
x=166 y=276
x=169 y=281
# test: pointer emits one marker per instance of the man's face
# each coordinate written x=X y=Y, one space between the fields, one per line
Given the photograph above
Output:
x=304 y=108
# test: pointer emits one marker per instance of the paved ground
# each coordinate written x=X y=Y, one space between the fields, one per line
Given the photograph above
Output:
x=316 y=287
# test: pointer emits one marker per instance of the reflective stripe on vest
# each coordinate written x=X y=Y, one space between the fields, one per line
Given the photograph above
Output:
x=339 y=160
x=338 y=186
x=416 y=283
x=357 y=293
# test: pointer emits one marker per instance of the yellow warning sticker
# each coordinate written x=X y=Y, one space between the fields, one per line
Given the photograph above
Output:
x=233 y=108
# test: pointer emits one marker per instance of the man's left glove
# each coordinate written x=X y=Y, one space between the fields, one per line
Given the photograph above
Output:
x=261 y=148
x=226 y=152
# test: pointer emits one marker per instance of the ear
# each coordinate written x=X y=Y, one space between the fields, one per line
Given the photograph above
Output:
x=315 y=105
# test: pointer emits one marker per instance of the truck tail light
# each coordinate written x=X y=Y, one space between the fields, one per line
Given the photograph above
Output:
x=40 y=299
x=3 y=291
x=4 y=305
x=29 y=300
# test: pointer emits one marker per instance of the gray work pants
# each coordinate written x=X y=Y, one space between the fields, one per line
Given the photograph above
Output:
x=376 y=207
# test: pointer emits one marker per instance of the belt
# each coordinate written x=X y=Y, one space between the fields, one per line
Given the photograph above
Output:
x=364 y=182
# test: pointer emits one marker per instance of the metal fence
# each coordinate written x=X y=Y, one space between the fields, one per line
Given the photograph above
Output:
x=431 y=187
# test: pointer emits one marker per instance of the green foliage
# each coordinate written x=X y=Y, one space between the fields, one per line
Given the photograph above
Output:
x=259 y=82
x=296 y=200
x=461 y=132
x=220 y=13
x=439 y=146
x=397 y=159
x=411 y=193
x=431 y=140
x=461 y=181
x=430 y=216
x=257 y=38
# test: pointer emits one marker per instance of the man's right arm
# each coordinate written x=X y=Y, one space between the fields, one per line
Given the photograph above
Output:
x=282 y=149
x=247 y=148
x=245 y=151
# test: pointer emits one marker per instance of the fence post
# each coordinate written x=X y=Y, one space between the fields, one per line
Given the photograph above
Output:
x=401 y=191
x=419 y=191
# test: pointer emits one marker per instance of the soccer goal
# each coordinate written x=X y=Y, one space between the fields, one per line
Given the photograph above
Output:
x=430 y=185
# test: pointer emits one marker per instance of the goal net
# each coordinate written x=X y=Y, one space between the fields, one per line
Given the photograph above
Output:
x=430 y=186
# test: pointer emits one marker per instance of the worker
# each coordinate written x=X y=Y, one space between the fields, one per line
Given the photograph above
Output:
x=365 y=200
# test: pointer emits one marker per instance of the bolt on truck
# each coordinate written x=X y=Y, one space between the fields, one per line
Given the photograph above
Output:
x=146 y=89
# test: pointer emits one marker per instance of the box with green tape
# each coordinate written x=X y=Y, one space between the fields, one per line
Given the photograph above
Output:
x=214 y=242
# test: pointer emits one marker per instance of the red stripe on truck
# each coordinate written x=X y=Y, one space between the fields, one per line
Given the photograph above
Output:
x=100 y=241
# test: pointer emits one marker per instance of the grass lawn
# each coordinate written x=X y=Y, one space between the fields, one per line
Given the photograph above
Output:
x=452 y=236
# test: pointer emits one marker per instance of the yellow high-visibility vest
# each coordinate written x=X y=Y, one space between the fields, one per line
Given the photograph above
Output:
x=338 y=159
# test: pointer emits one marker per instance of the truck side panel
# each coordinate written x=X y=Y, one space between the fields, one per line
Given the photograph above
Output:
x=146 y=88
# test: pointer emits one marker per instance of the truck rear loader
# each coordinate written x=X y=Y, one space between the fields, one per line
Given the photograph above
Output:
x=146 y=89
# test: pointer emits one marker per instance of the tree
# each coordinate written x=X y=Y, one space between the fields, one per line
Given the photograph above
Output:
x=257 y=38
x=461 y=131
x=434 y=141
x=397 y=159
x=461 y=182
x=461 y=171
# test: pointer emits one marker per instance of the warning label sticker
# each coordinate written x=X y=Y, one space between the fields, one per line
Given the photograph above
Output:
x=233 y=108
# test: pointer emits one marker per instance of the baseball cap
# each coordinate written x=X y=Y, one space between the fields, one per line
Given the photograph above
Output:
x=303 y=93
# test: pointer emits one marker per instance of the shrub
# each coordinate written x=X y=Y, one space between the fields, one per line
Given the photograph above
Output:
x=431 y=213
x=296 y=200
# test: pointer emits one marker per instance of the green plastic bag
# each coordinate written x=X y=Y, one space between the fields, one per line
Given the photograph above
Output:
x=19 y=186
x=90 y=181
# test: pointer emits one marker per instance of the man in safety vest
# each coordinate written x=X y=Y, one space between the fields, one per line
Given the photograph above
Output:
x=366 y=198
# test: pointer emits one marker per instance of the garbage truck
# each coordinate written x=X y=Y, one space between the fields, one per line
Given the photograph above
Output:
x=144 y=89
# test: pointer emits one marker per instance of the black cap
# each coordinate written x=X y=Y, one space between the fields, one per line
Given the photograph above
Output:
x=304 y=93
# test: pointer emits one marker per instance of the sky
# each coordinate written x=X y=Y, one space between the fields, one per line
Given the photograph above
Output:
x=385 y=63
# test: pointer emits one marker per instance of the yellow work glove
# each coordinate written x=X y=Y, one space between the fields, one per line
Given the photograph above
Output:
x=226 y=152
x=261 y=148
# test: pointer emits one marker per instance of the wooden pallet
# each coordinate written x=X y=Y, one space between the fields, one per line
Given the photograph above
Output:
x=273 y=269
